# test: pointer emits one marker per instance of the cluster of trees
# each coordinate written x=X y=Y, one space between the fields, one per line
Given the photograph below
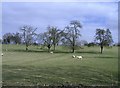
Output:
x=12 y=38
x=69 y=36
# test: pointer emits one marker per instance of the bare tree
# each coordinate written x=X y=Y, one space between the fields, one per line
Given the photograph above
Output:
x=28 y=34
x=55 y=35
x=71 y=34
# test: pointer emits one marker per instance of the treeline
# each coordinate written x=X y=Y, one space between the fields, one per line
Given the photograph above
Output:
x=53 y=36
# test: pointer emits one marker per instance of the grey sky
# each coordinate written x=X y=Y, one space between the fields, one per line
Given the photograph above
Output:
x=92 y=15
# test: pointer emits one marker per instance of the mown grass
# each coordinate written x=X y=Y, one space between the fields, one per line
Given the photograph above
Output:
x=37 y=66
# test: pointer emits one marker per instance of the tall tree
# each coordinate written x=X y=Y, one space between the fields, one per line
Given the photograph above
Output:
x=103 y=37
x=28 y=33
x=72 y=33
x=55 y=35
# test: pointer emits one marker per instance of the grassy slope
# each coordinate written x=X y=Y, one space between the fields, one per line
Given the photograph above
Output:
x=38 y=67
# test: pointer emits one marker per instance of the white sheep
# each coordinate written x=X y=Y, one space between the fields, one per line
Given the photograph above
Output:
x=51 y=52
x=73 y=56
x=1 y=54
x=79 y=57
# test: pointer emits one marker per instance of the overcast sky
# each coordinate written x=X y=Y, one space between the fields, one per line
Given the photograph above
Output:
x=92 y=15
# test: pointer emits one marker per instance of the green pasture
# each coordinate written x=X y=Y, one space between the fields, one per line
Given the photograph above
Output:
x=38 y=67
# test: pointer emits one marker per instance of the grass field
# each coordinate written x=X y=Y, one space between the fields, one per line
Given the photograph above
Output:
x=37 y=67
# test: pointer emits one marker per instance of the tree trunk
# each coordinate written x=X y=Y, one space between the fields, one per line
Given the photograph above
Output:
x=101 y=49
x=49 y=47
x=73 y=45
x=26 y=47
x=73 y=49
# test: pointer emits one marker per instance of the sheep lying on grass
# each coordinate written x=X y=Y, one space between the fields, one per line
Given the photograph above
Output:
x=51 y=52
x=78 y=57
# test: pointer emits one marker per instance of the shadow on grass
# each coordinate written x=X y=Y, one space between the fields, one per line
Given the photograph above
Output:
x=34 y=51
x=56 y=51
x=106 y=57
x=90 y=52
